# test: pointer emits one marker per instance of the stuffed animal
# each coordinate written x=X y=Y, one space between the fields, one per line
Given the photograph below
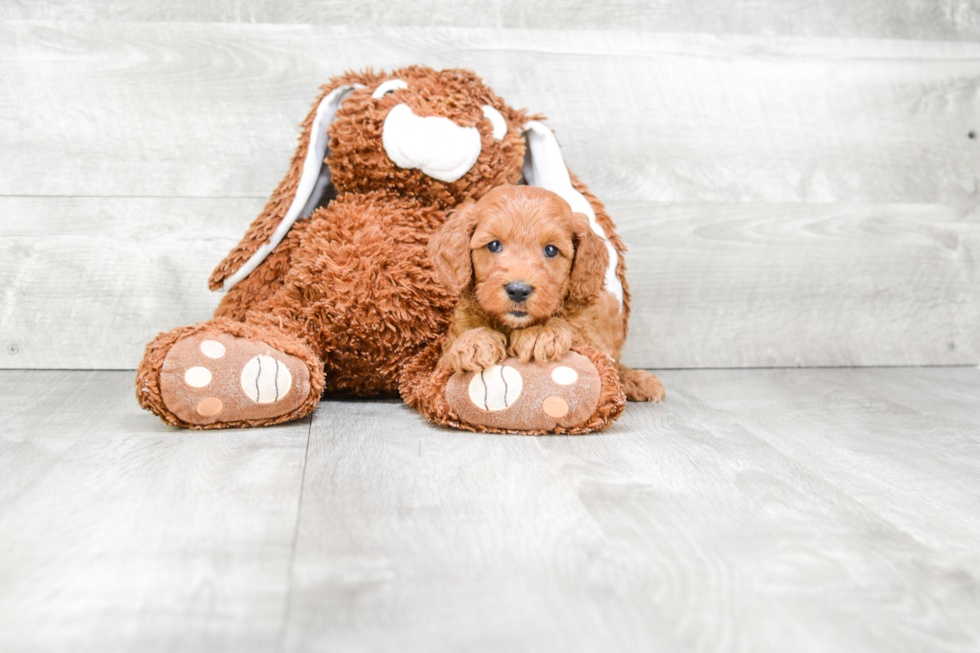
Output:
x=332 y=289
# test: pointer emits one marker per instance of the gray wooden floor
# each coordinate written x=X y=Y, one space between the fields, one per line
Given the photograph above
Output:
x=756 y=510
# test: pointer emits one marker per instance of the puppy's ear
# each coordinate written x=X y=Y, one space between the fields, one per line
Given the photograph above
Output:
x=449 y=249
x=588 y=274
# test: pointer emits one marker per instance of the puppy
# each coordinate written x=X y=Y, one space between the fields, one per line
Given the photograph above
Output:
x=529 y=274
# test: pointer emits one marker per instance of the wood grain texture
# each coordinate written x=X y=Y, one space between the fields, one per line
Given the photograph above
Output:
x=913 y=435
x=453 y=530
x=87 y=282
x=120 y=533
x=756 y=285
x=915 y=19
x=787 y=201
x=180 y=109
x=753 y=511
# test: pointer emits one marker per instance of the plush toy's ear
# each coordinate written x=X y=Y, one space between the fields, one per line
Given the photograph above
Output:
x=449 y=250
x=314 y=182
x=588 y=274
x=545 y=168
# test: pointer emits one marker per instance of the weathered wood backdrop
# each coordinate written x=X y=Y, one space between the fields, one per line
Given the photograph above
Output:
x=797 y=182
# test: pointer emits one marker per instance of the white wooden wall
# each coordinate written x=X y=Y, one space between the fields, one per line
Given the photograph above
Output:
x=796 y=181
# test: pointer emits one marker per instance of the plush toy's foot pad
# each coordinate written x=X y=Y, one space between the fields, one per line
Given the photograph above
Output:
x=516 y=396
x=209 y=378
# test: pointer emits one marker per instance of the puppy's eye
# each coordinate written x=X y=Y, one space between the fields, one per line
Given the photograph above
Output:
x=495 y=246
x=550 y=251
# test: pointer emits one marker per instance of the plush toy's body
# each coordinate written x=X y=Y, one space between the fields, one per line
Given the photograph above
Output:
x=331 y=289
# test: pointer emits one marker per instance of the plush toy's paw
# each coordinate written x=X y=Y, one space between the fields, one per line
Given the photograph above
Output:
x=543 y=343
x=475 y=350
x=210 y=379
x=528 y=397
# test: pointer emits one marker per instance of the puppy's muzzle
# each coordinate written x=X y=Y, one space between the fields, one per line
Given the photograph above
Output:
x=518 y=291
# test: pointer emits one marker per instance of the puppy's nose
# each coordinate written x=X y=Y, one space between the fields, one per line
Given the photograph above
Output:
x=518 y=291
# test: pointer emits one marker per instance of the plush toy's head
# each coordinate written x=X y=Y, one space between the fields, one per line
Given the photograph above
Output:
x=440 y=136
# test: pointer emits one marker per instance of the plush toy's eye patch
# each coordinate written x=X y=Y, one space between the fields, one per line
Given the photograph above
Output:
x=497 y=120
x=388 y=87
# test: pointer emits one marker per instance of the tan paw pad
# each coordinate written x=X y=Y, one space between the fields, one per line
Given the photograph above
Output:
x=555 y=407
x=210 y=407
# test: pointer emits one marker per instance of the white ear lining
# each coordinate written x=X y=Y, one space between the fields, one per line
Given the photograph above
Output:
x=315 y=154
x=496 y=120
x=390 y=85
x=545 y=167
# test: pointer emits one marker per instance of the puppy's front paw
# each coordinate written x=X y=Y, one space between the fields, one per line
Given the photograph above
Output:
x=640 y=385
x=544 y=343
x=475 y=350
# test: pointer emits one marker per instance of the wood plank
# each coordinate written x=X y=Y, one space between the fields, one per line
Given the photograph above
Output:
x=916 y=19
x=905 y=443
x=679 y=529
x=181 y=109
x=120 y=533
x=772 y=285
x=88 y=281
x=432 y=539
x=815 y=510
x=950 y=394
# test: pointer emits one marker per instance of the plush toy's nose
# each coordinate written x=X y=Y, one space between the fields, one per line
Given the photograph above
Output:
x=518 y=291
x=435 y=145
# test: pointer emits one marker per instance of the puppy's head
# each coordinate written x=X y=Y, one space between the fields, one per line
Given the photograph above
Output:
x=522 y=254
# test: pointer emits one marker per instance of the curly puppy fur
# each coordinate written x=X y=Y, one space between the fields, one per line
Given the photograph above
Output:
x=529 y=275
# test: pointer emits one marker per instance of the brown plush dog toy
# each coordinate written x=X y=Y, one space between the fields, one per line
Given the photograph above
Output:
x=331 y=288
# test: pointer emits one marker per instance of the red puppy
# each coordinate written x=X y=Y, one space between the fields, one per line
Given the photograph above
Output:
x=529 y=274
